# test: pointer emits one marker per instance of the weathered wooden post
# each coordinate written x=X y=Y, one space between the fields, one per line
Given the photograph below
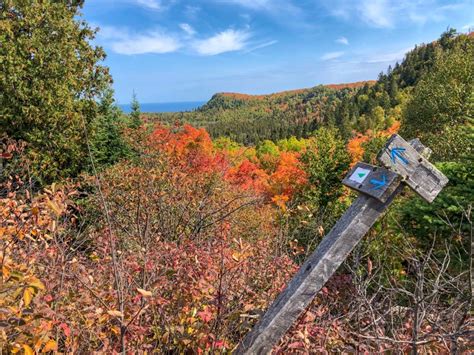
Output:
x=404 y=163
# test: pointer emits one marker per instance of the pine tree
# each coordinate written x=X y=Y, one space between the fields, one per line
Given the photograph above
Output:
x=135 y=119
x=108 y=146
x=50 y=80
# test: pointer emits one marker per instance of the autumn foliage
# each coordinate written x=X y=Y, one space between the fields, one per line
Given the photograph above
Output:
x=355 y=146
x=193 y=150
x=180 y=250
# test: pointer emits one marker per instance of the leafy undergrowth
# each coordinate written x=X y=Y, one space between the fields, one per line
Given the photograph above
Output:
x=180 y=250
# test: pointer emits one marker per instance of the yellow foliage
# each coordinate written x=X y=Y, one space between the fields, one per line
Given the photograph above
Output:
x=28 y=294
x=144 y=293
x=115 y=313
x=51 y=345
x=28 y=350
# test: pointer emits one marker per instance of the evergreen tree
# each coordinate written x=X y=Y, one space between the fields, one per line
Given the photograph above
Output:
x=446 y=38
x=393 y=91
x=50 y=82
x=344 y=121
x=135 y=115
x=441 y=112
x=108 y=145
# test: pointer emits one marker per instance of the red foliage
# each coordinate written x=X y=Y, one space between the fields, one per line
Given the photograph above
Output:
x=288 y=176
x=248 y=175
x=193 y=150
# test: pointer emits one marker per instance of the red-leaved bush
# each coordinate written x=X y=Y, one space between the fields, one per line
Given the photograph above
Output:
x=181 y=251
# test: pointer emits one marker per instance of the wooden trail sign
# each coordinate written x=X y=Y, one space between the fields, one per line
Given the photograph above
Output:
x=416 y=171
x=378 y=187
x=371 y=180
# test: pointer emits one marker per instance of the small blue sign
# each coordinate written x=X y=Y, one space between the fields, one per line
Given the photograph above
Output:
x=397 y=152
x=379 y=183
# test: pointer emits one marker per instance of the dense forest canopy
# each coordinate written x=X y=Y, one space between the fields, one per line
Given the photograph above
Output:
x=372 y=105
x=174 y=232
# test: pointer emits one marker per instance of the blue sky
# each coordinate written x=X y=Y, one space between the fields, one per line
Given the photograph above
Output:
x=183 y=50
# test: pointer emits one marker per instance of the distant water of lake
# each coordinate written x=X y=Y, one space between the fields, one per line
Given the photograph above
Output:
x=165 y=106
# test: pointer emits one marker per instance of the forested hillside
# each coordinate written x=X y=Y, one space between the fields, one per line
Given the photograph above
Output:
x=362 y=106
x=119 y=233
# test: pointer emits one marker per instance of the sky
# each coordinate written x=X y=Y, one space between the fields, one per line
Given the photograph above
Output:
x=187 y=50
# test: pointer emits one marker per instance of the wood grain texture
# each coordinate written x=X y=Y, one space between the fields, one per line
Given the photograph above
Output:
x=368 y=187
x=313 y=274
x=416 y=171
x=318 y=268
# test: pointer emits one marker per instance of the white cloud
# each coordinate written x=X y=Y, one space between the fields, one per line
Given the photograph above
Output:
x=188 y=29
x=226 y=41
x=153 y=42
x=262 y=45
x=342 y=40
x=388 y=57
x=332 y=55
x=390 y=13
x=110 y=32
x=124 y=41
x=376 y=12
x=468 y=27
x=152 y=4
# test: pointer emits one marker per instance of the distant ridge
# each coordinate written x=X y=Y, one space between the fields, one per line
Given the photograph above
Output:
x=353 y=85
x=240 y=96
x=159 y=107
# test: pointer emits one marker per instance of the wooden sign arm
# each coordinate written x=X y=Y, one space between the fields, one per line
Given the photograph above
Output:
x=316 y=271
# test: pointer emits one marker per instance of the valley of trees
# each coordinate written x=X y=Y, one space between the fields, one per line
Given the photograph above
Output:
x=172 y=233
x=371 y=105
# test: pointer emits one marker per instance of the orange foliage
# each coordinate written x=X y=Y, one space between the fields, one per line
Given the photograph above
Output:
x=182 y=142
x=192 y=149
x=355 y=145
x=354 y=85
x=28 y=228
x=288 y=176
x=392 y=129
x=355 y=149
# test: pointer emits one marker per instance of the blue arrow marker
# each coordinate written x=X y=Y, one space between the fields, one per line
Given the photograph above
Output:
x=397 y=153
x=379 y=183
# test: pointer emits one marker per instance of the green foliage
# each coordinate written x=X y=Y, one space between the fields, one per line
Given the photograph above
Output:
x=320 y=202
x=372 y=148
x=50 y=80
x=446 y=215
x=252 y=119
x=135 y=119
x=378 y=116
x=326 y=164
x=108 y=145
x=292 y=144
x=225 y=143
x=268 y=148
x=441 y=112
